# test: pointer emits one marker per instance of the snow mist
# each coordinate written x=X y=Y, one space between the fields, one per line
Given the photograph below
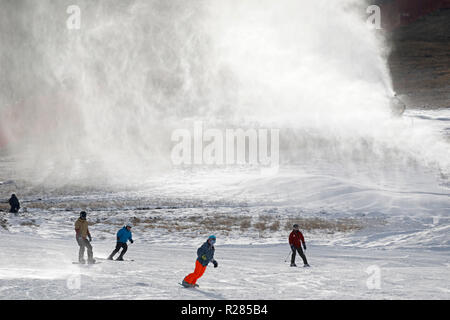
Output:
x=99 y=103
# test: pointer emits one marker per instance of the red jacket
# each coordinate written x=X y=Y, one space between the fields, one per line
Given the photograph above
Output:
x=296 y=238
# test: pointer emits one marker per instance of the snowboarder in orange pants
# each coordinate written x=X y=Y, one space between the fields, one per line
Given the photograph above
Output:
x=191 y=279
x=205 y=255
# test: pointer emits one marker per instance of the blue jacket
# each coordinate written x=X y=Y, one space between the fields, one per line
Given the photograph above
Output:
x=124 y=235
x=206 y=250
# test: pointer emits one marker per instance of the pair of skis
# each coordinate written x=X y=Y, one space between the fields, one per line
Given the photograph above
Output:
x=288 y=256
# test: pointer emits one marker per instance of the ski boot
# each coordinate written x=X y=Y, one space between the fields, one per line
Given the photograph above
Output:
x=306 y=265
x=119 y=259
x=91 y=261
x=293 y=265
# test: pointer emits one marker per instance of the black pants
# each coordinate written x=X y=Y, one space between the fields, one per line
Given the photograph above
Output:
x=85 y=244
x=300 y=252
x=119 y=245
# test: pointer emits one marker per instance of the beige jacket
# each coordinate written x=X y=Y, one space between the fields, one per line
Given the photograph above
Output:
x=81 y=228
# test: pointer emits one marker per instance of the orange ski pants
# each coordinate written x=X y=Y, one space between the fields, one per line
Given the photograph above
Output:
x=198 y=272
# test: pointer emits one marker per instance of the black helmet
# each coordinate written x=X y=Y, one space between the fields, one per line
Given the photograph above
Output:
x=83 y=214
x=295 y=226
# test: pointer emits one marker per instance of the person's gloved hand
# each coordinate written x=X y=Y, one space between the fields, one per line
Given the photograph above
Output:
x=204 y=257
x=215 y=263
x=118 y=239
x=304 y=246
x=131 y=240
x=90 y=238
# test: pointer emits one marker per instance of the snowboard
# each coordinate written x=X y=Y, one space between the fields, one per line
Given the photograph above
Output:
x=196 y=286
x=124 y=260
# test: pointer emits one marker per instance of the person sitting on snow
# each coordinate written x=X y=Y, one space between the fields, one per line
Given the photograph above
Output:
x=295 y=240
x=205 y=255
x=14 y=203
x=123 y=235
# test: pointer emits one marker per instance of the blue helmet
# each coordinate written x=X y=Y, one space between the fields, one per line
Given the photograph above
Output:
x=212 y=237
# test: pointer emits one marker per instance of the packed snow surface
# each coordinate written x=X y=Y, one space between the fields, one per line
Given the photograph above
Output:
x=35 y=268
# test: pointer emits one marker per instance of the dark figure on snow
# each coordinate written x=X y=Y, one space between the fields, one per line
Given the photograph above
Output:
x=296 y=240
x=14 y=203
x=205 y=255
x=82 y=236
x=123 y=235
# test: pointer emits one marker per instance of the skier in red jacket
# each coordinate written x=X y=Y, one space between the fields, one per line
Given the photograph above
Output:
x=295 y=240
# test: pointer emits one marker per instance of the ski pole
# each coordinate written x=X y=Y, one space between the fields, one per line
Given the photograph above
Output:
x=290 y=252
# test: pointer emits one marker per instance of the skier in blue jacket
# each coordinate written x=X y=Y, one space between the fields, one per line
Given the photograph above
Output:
x=123 y=235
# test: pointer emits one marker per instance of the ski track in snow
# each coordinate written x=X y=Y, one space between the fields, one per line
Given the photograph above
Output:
x=36 y=268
